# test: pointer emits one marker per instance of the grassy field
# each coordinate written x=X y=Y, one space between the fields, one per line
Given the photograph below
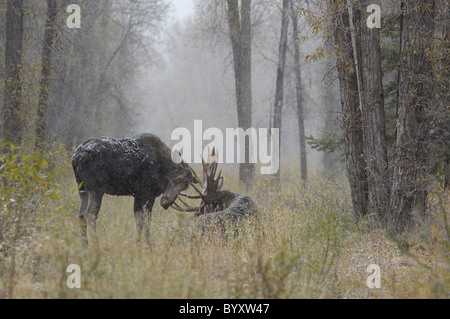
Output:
x=304 y=245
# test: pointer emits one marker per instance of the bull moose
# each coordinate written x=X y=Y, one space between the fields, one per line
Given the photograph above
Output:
x=218 y=207
x=140 y=166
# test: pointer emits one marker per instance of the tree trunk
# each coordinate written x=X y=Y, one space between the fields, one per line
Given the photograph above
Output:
x=352 y=120
x=279 y=90
x=298 y=78
x=373 y=118
x=11 y=111
x=245 y=112
x=239 y=22
x=416 y=87
x=49 y=39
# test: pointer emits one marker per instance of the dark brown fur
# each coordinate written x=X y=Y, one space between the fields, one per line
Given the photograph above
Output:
x=225 y=207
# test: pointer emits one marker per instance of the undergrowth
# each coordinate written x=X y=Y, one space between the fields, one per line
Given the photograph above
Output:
x=304 y=244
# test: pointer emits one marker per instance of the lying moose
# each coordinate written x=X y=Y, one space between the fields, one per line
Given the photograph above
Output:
x=218 y=207
x=141 y=167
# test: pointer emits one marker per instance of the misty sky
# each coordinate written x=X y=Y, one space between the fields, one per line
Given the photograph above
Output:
x=182 y=8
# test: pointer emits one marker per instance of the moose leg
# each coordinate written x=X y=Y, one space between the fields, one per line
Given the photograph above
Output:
x=139 y=217
x=91 y=213
x=84 y=200
x=142 y=215
x=147 y=217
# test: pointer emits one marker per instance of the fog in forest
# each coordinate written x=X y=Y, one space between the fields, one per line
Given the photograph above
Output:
x=194 y=80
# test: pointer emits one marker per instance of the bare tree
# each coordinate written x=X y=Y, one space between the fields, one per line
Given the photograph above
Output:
x=239 y=21
x=95 y=68
x=299 y=93
x=11 y=111
x=373 y=116
x=279 y=89
x=49 y=39
x=352 y=118
x=415 y=90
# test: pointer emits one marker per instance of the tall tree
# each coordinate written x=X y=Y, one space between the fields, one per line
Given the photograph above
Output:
x=239 y=21
x=415 y=97
x=352 y=119
x=11 y=110
x=279 y=89
x=299 y=93
x=49 y=39
x=372 y=108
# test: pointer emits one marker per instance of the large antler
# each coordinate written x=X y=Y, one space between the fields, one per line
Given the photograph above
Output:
x=210 y=184
x=186 y=207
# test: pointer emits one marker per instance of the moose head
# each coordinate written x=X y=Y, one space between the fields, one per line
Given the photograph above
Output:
x=179 y=180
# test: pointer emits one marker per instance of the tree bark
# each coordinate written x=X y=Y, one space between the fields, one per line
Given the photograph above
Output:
x=352 y=118
x=298 y=88
x=279 y=89
x=49 y=39
x=12 y=108
x=239 y=21
x=373 y=117
x=415 y=90
x=245 y=113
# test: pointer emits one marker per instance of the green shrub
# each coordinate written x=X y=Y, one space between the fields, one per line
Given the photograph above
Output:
x=27 y=181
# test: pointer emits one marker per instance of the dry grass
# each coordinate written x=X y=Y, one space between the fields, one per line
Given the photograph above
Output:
x=305 y=245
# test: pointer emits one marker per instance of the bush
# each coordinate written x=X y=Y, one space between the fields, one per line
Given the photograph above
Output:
x=26 y=182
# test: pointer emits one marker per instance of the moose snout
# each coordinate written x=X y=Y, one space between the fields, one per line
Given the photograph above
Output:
x=168 y=199
x=165 y=203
